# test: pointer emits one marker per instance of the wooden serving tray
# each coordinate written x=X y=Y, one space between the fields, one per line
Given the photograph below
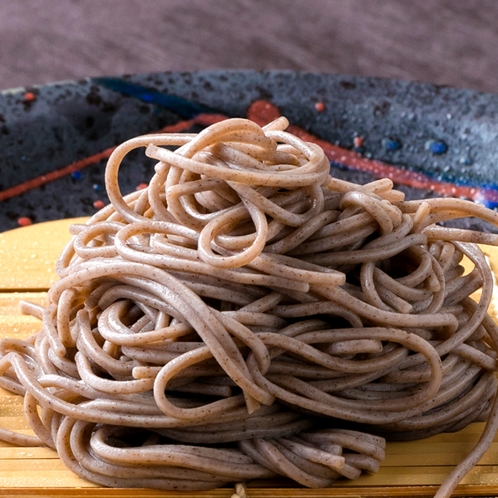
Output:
x=27 y=257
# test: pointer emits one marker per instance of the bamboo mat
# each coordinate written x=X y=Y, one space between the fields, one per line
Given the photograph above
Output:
x=27 y=257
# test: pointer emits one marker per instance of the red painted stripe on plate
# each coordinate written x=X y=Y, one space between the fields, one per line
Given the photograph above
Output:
x=21 y=188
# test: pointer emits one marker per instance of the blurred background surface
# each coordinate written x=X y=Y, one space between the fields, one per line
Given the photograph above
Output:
x=449 y=42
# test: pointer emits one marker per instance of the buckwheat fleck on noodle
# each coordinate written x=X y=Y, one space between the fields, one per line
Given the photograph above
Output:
x=217 y=326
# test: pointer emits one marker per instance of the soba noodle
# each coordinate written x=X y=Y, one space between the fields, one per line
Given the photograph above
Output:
x=248 y=316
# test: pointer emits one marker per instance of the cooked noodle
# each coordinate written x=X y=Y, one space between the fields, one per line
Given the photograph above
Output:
x=225 y=323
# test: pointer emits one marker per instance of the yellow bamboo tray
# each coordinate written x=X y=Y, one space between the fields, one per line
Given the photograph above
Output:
x=27 y=258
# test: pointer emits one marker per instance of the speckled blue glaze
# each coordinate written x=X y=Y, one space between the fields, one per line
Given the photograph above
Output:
x=70 y=121
x=436 y=147
x=391 y=143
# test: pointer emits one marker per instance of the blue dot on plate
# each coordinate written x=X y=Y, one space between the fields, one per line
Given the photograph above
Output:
x=436 y=147
x=77 y=175
x=97 y=187
x=391 y=143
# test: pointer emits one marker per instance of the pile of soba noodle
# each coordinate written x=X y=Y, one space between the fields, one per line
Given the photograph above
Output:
x=248 y=316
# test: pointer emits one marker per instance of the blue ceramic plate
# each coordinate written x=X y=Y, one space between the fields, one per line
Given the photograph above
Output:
x=54 y=139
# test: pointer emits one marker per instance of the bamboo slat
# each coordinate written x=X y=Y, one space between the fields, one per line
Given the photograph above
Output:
x=27 y=257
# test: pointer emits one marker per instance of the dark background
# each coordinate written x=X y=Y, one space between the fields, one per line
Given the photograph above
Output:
x=451 y=42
